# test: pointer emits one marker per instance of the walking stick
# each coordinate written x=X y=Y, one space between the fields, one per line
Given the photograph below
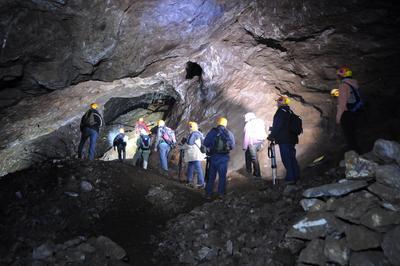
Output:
x=206 y=174
x=272 y=156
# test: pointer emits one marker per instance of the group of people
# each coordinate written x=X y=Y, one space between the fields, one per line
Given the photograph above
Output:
x=219 y=141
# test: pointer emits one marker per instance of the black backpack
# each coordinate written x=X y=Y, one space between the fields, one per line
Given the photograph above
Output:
x=295 y=124
x=88 y=119
x=145 y=142
x=221 y=143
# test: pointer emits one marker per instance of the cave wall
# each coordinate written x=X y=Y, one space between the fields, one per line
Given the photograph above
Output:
x=249 y=51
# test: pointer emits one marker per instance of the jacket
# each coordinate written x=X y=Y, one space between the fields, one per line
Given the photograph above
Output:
x=280 y=131
x=254 y=133
x=120 y=140
x=345 y=96
x=98 y=120
x=210 y=139
x=192 y=147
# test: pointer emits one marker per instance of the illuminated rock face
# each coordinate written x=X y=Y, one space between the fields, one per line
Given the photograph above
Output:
x=249 y=52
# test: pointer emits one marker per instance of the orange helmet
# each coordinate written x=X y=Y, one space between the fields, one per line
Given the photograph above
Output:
x=344 y=72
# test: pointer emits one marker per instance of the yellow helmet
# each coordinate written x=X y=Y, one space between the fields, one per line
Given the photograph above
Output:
x=194 y=126
x=344 y=72
x=335 y=92
x=122 y=130
x=161 y=123
x=222 y=121
x=141 y=119
x=94 y=105
x=283 y=99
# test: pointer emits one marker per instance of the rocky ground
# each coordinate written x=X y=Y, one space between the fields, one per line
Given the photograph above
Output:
x=109 y=213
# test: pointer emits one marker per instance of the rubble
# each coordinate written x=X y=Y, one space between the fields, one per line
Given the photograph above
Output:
x=370 y=214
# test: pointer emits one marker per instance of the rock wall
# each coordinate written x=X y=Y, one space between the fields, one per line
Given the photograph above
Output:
x=249 y=52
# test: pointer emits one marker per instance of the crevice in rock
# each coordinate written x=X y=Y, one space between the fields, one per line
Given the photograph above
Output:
x=269 y=42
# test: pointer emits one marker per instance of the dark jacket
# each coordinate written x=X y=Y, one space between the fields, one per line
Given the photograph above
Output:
x=280 y=128
x=119 y=141
x=91 y=119
x=210 y=139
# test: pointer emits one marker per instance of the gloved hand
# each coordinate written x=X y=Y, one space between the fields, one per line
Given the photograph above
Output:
x=270 y=138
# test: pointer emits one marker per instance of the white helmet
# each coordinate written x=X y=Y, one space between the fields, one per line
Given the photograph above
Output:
x=249 y=116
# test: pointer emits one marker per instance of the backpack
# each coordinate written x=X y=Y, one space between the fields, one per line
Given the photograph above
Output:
x=352 y=107
x=144 y=142
x=88 y=119
x=220 y=143
x=295 y=124
x=119 y=140
x=168 y=135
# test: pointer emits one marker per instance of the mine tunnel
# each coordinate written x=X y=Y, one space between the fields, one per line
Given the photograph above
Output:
x=254 y=132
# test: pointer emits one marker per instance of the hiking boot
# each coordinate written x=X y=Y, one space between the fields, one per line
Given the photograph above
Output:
x=201 y=186
x=220 y=196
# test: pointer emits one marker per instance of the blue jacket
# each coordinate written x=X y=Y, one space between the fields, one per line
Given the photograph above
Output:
x=280 y=128
x=210 y=139
x=193 y=136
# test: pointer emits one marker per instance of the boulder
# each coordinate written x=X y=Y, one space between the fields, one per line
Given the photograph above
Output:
x=315 y=225
x=335 y=189
x=388 y=175
x=387 y=150
x=313 y=253
x=313 y=205
x=358 y=167
x=369 y=258
x=353 y=206
x=391 y=245
x=360 y=238
x=380 y=219
x=110 y=248
x=390 y=194
x=336 y=250
x=43 y=251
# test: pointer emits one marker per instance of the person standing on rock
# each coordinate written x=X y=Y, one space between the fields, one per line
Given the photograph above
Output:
x=281 y=134
x=194 y=155
x=90 y=128
x=143 y=145
x=254 y=136
x=165 y=140
x=219 y=141
x=119 y=143
x=348 y=107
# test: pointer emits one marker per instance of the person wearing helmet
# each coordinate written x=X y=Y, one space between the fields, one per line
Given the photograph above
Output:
x=254 y=136
x=143 y=145
x=141 y=124
x=119 y=143
x=286 y=139
x=219 y=141
x=349 y=103
x=165 y=140
x=194 y=155
x=90 y=127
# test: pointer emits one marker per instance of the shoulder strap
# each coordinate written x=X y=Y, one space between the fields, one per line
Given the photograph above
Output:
x=355 y=92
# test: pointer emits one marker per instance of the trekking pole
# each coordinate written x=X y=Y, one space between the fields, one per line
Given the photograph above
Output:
x=272 y=156
x=180 y=163
x=206 y=174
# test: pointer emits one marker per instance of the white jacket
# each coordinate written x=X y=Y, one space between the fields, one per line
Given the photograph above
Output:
x=193 y=153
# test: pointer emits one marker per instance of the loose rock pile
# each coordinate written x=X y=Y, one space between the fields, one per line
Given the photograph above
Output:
x=355 y=221
x=80 y=250
x=234 y=231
